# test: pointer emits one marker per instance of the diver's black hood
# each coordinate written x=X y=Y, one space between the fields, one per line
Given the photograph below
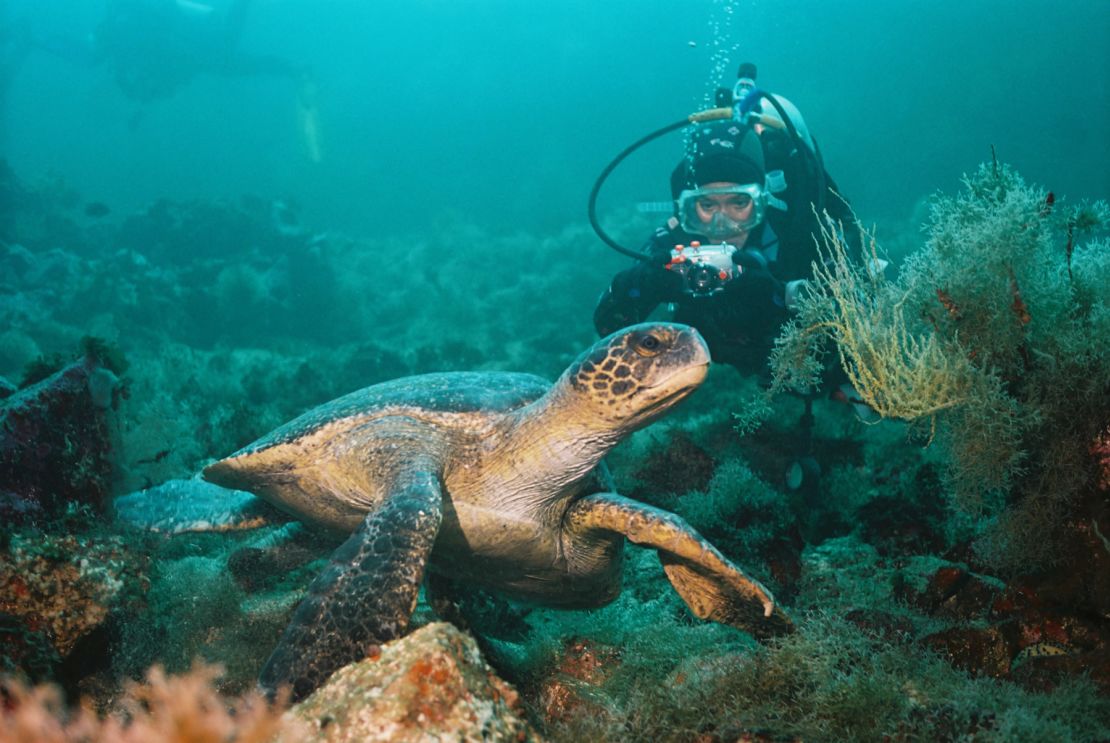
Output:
x=721 y=151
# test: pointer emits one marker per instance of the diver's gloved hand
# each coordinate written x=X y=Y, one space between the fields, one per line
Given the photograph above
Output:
x=754 y=282
x=657 y=281
x=750 y=261
x=793 y=293
x=647 y=284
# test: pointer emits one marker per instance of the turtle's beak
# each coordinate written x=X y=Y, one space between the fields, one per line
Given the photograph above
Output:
x=674 y=388
x=690 y=363
x=688 y=378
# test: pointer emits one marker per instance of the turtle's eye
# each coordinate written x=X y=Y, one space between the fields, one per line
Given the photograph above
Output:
x=648 y=345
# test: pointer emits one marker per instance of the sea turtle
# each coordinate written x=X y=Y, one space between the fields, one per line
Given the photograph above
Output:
x=483 y=477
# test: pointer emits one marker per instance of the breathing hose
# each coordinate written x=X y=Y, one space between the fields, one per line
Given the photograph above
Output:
x=712 y=114
x=708 y=115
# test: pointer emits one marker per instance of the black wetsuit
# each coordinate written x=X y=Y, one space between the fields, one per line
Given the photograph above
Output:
x=739 y=323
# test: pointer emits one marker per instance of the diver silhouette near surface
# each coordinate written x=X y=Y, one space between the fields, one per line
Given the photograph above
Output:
x=155 y=47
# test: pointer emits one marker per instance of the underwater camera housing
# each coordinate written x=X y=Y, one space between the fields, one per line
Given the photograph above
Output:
x=705 y=269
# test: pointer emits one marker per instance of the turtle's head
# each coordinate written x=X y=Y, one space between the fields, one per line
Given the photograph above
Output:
x=633 y=376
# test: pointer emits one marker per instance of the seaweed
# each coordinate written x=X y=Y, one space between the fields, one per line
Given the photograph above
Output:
x=990 y=342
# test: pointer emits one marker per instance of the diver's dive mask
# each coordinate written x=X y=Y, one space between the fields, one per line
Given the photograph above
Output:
x=721 y=212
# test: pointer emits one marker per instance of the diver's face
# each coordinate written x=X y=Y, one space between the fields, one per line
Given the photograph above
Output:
x=725 y=209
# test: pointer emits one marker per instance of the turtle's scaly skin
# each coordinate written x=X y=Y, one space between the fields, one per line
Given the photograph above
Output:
x=484 y=477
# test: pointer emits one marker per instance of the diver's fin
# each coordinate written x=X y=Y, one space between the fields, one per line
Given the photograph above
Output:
x=366 y=594
x=308 y=116
x=711 y=586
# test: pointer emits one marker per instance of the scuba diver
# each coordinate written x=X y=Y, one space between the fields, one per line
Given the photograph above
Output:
x=740 y=242
x=154 y=48
x=730 y=258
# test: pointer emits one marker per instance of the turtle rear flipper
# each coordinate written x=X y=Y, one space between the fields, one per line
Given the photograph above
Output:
x=711 y=586
x=366 y=594
x=180 y=506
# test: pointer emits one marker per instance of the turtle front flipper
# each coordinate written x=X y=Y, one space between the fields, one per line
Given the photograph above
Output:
x=711 y=586
x=366 y=594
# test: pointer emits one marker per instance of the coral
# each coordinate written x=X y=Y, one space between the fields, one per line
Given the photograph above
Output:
x=430 y=684
x=900 y=373
x=240 y=346
x=169 y=709
x=990 y=340
x=901 y=369
x=63 y=587
x=583 y=666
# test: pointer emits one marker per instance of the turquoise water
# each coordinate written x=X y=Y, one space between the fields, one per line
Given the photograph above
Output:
x=507 y=110
x=387 y=189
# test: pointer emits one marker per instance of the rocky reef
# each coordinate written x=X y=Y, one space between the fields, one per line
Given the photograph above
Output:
x=919 y=617
x=56 y=447
x=432 y=683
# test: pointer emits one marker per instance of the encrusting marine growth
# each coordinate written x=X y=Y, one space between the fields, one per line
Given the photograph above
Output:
x=994 y=336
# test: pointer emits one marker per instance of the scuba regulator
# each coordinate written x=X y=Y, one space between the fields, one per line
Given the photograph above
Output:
x=743 y=102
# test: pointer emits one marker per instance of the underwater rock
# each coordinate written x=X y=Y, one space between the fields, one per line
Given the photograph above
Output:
x=897 y=525
x=64 y=587
x=1035 y=648
x=429 y=685
x=55 y=443
x=980 y=652
x=571 y=689
x=1100 y=450
x=1016 y=597
x=1031 y=638
x=679 y=467
x=1081 y=582
x=1042 y=670
x=882 y=625
x=1043 y=629
x=26 y=650
x=258 y=569
x=7 y=389
x=955 y=593
x=181 y=506
x=1078 y=585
